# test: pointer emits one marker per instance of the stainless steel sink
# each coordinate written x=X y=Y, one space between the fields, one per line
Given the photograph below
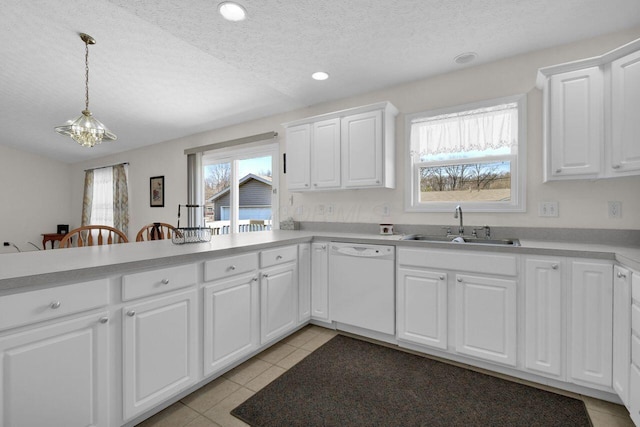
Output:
x=464 y=240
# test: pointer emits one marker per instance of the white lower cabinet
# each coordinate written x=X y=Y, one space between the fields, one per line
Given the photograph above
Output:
x=485 y=309
x=278 y=301
x=543 y=316
x=621 y=332
x=634 y=394
x=421 y=307
x=304 y=282
x=56 y=374
x=320 y=281
x=231 y=321
x=591 y=323
x=159 y=347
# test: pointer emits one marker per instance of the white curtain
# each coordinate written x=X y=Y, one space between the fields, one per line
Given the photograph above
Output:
x=485 y=130
x=102 y=206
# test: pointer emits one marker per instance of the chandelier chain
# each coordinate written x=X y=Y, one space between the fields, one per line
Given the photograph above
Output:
x=86 y=76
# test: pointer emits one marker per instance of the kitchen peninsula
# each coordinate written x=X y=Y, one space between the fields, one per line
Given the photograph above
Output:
x=146 y=323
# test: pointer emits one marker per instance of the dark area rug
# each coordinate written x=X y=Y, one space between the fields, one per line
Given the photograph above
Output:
x=348 y=382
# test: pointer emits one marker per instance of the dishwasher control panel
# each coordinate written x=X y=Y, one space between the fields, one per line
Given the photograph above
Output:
x=364 y=251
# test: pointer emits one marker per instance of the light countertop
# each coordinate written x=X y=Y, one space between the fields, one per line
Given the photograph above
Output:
x=51 y=267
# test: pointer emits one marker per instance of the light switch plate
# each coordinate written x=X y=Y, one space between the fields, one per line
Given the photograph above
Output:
x=615 y=209
x=548 y=209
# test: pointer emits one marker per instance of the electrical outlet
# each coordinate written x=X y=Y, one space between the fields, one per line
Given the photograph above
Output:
x=615 y=209
x=548 y=209
x=330 y=209
x=320 y=210
x=386 y=210
x=299 y=209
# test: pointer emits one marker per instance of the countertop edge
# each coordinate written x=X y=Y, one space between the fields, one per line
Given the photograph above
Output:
x=112 y=260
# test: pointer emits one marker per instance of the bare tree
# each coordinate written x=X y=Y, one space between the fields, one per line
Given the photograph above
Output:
x=217 y=178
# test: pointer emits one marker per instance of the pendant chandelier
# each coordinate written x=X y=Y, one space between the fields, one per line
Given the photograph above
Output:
x=85 y=129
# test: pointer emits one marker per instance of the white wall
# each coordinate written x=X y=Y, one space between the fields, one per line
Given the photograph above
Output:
x=582 y=204
x=35 y=198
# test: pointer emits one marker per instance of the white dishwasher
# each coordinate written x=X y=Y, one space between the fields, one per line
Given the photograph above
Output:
x=362 y=286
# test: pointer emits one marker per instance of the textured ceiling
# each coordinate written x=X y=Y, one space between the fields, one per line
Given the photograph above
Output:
x=163 y=69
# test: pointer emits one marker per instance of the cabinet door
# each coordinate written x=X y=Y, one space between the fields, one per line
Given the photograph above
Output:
x=325 y=154
x=576 y=123
x=362 y=150
x=159 y=350
x=278 y=301
x=625 y=110
x=486 y=318
x=320 y=281
x=56 y=374
x=634 y=394
x=621 y=332
x=422 y=307
x=591 y=323
x=304 y=282
x=299 y=157
x=231 y=321
x=543 y=316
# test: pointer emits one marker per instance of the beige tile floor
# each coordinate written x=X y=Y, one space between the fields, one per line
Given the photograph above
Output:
x=210 y=406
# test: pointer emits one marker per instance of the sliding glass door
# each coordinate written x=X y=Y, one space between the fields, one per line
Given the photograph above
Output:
x=240 y=189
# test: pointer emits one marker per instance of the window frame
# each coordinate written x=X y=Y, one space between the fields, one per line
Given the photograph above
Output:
x=518 y=167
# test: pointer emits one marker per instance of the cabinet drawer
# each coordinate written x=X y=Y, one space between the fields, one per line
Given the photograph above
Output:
x=459 y=261
x=44 y=304
x=635 y=319
x=147 y=283
x=635 y=350
x=220 y=268
x=278 y=256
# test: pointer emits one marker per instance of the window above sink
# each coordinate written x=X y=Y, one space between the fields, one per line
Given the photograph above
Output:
x=473 y=154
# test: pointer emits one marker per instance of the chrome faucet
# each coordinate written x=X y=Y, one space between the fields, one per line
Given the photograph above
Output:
x=455 y=215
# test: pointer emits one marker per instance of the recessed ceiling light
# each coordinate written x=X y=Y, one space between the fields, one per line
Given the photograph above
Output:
x=232 y=11
x=320 y=75
x=465 y=58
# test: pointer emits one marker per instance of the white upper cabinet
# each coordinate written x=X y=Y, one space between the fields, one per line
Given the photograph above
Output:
x=591 y=108
x=576 y=123
x=325 y=154
x=346 y=149
x=362 y=149
x=625 y=111
x=299 y=154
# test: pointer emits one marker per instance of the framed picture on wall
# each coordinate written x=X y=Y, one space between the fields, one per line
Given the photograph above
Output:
x=156 y=191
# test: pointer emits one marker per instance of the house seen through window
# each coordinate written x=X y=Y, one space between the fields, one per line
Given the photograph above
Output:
x=239 y=190
x=471 y=155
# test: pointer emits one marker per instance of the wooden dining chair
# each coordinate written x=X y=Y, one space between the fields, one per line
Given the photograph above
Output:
x=93 y=235
x=157 y=231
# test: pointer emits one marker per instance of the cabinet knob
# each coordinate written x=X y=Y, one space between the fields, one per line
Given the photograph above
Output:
x=131 y=313
x=558 y=170
x=621 y=275
x=54 y=305
x=165 y=281
x=306 y=185
x=615 y=166
x=255 y=279
x=265 y=275
x=442 y=277
x=103 y=320
x=232 y=267
x=459 y=279
x=377 y=181
x=315 y=184
x=554 y=266
x=279 y=257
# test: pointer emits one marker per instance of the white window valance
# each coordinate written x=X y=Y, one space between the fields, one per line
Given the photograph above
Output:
x=484 y=130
